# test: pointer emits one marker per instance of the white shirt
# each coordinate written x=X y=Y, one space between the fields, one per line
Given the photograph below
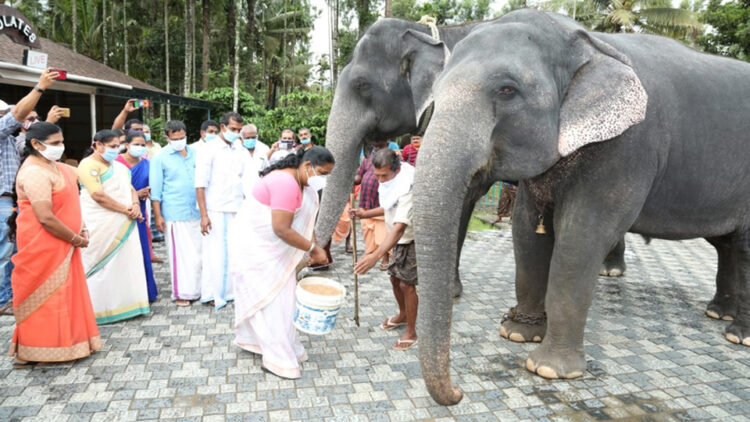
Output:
x=198 y=145
x=218 y=169
x=254 y=163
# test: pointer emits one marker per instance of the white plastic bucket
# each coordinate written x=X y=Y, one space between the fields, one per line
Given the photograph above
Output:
x=316 y=314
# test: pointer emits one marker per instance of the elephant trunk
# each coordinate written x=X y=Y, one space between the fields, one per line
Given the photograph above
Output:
x=454 y=151
x=348 y=125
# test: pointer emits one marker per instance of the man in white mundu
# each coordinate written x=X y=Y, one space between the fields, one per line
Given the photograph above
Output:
x=218 y=188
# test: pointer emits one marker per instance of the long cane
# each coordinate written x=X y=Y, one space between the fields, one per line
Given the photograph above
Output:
x=354 y=257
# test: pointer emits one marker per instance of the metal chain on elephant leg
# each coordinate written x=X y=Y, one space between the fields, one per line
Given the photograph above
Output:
x=523 y=318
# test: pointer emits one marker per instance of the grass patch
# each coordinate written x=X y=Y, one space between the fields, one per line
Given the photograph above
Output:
x=477 y=225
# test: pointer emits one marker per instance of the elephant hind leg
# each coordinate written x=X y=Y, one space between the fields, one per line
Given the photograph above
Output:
x=725 y=303
x=614 y=263
x=738 y=331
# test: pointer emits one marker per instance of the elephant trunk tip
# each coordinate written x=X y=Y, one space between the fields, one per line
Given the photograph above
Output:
x=449 y=396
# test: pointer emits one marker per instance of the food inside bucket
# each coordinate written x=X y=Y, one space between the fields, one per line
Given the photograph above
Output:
x=321 y=289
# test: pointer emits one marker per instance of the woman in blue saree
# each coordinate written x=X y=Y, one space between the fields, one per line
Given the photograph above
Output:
x=133 y=159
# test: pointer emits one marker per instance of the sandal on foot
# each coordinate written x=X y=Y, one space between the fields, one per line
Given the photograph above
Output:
x=383 y=266
x=22 y=364
x=404 y=344
x=388 y=324
x=182 y=303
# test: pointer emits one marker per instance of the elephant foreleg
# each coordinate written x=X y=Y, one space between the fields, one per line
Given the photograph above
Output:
x=725 y=302
x=572 y=276
x=526 y=321
x=738 y=331
x=614 y=263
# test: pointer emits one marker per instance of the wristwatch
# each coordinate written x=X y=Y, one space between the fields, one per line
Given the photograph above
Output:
x=40 y=90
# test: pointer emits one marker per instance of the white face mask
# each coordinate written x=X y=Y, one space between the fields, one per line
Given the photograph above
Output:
x=316 y=182
x=52 y=152
x=178 y=144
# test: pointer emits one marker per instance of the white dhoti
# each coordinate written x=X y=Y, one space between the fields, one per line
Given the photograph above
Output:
x=263 y=272
x=184 y=245
x=215 y=282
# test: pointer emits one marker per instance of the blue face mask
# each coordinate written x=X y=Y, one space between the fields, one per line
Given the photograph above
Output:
x=137 y=151
x=230 y=136
x=210 y=137
x=305 y=141
x=110 y=154
x=147 y=136
x=250 y=143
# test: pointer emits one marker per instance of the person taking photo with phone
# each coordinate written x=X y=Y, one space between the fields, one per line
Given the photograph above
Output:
x=10 y=159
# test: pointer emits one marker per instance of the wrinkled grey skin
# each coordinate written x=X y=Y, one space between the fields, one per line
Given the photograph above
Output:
x=667 y=150
x=380 y=94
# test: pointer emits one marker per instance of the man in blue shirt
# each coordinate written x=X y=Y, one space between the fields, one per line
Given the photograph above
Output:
x=10 y=121
x=172 y=180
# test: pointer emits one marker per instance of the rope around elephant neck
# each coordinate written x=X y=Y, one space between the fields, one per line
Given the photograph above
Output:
x=432 y=23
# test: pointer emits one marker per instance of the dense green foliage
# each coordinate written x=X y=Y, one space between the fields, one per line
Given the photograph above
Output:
x=299 y=109
x=731 y=28
x=279 y=83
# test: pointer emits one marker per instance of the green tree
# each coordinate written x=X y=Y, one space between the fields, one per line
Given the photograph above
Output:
x=650 y=16
x=731 y=28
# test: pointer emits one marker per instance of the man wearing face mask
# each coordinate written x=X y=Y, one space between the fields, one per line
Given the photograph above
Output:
x=256 y=159
x=209 y=131
x=152 y=148
x=11 y=120
x=172 y=181
x=305 y=139
x=218 y=186
x=395 y=195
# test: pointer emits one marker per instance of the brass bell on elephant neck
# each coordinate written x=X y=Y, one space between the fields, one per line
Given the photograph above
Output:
x=540 y=227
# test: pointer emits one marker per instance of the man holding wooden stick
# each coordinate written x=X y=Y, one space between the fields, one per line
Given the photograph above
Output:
x=395 y=194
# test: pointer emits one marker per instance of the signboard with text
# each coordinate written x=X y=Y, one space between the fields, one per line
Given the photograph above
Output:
x=35 y=59
x=17 y=27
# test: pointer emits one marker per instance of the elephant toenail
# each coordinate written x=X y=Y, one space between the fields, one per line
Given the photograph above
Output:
x=746 y=341
x=712 y=314
x=547 y=372
x=530 y=365
x=733 y=338
x=575 y=374
x=537 y=339
x=727 y=318
x=503 y=332
x=517 y=337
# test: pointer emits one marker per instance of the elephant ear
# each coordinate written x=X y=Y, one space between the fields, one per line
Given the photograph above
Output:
x=604 y=97
x=423 y=59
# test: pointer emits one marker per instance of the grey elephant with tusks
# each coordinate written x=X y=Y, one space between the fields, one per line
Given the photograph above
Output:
x=607 y=133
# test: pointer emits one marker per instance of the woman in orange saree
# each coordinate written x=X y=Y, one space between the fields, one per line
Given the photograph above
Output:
x=54 y=317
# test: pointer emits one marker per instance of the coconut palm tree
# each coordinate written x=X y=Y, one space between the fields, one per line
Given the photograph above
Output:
x=650 y=16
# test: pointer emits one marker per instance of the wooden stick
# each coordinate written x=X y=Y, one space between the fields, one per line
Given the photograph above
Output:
x=354 y=257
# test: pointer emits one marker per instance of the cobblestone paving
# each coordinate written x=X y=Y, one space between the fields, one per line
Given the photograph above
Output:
x=652 y=356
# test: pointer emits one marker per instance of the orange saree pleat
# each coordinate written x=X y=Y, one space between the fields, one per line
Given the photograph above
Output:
x=54 y=317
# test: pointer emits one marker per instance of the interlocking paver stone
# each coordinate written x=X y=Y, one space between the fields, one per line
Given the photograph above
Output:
x=651 y=353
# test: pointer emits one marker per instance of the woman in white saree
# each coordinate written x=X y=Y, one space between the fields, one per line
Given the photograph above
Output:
x=272 y=232
x=113 y=262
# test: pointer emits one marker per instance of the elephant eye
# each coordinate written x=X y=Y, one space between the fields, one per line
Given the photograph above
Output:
x=506 y=92
x=362 y=86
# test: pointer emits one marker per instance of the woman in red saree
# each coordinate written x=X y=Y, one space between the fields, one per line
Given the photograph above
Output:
x=54 y=317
